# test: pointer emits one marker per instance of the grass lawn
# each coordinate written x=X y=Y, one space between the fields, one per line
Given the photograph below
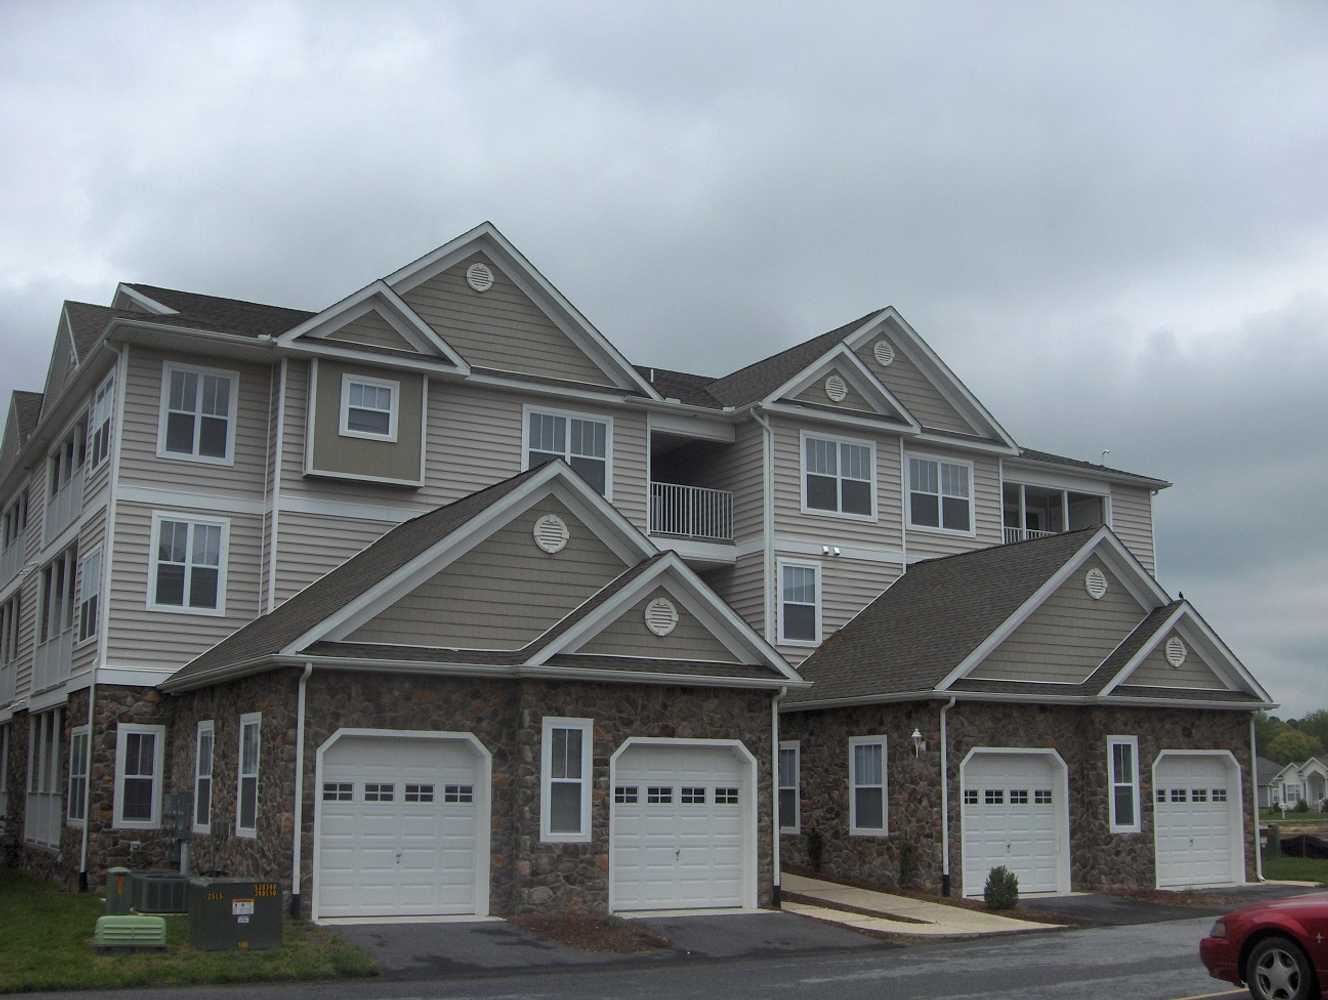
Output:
x=1275 y=816
x=1296 y=869
x=46 y=944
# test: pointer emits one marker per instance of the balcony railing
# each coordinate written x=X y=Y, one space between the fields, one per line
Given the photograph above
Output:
x=53 y=660
x=691 y=512
x=11 y=560
x=8 y=671
x=1025 y=534
x=63 y=509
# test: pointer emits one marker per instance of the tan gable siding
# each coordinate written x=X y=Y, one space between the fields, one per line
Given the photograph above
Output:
x=60 y=368
x=742 y=586
x=354 y=456
x=163 y=639
x=139 y=464
x=36 y=487
x=912 y=388
x=1069 y=636
x=740 y=469
x=1132 y=520
x=789 y=519
x=500 y=328
x=372 y=329
x=501 y=594
x=308 y=545
x=628 y=636
x=986 y=508
x=1195 y=673
x=815 y=393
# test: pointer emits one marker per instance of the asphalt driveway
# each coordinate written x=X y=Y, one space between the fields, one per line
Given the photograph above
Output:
x=1099 y=910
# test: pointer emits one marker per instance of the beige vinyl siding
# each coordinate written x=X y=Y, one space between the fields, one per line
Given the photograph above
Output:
x=501 y=594
x=164 y=639
x=816 y=393
x=884 y=532
x=1194 y=673
x=308 y=545
x=139 y=464
x=500 y=328
x=90 y=535
x=1132 y=520
x=914 y=389
x=987 y=511
x=847 y=586
x=740 y=469
x=742 y=586
x=27 y=637
x=629 y=636
x=60 y=368
x=372 y=329
x=1069 y=636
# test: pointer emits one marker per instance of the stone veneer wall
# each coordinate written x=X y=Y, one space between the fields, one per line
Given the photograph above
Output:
x=1098 y=858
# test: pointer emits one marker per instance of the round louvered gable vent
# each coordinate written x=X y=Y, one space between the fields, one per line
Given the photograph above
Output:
x=551 y=533
x=835 y=388
x=1175 y=651
x=661 y=616
x=479 y=277
x=1095 y=582
x=884 y=352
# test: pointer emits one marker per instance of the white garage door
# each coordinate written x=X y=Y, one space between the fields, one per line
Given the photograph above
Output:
x=1011 y=817
x=1195 y=809
x=399 y=822
x=679 y=820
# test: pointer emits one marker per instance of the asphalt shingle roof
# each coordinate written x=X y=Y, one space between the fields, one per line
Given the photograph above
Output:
x=27 y=410
x=1032 y=454
x=215 y=312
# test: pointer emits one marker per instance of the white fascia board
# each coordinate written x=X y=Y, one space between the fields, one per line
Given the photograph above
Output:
x=863 y=380
x=1040 y=475
x=807 y=414
x=1021 y=699
x=151 y=305
x=694 y=426
x=1054 y=470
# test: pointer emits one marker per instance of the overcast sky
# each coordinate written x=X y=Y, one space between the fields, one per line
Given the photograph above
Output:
x=1111 y=221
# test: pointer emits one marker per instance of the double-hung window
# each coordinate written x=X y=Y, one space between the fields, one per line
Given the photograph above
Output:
x=799 y=603
x=940 y=494
x=369 y=407
x=89 y=594
x=583 y=442
x=867 y=788
x=246 y=807
x=203 y=778
x=99 y=423
x=198 y=407
x=788 y=786
x=78 y=775
x=188 y=571
x=565 y=780
x=838 y=476
x=1123 y=774
x=139 y=751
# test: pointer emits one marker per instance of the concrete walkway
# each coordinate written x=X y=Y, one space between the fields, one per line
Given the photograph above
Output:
x=922 y=919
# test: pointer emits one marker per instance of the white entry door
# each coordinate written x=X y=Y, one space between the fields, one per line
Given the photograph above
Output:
x=398 y=827
x=679 y=833
x=1012 y=816
x=1197 y=813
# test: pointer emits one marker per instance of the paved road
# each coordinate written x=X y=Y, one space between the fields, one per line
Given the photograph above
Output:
x=1143 y=962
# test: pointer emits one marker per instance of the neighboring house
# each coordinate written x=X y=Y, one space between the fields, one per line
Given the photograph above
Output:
x=1304 y=782
x=1267 y=771
x=431 y=602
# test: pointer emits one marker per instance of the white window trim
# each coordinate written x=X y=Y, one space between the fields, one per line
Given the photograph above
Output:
x=972 y=495
x=248 y=719
x=4 y=766
x=853 y=828
x=837 y=440
x=70 y=798
x=603 y=418
x=107 y=384
x=587 y=729
x=779 y=601
x=206 y=726
x=796 y=825
x=168 y=368
x=165 y=515
x=122 y=732
x=394 y=410
x=1133 y=743
x=83 y=596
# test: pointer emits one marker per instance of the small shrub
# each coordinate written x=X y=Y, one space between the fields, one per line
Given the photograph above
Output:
x=1302 y=807
x=1002 y=889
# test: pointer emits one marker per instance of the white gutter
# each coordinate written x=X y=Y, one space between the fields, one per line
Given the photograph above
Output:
x=768 y=518
x=774 y=785
x=945 y=802
x=299 y=792
x=1254 y=799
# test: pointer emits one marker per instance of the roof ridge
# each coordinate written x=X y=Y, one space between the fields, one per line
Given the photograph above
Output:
x=140 y=286
x=1007 y=546
x=841 y=330
x=594 y=600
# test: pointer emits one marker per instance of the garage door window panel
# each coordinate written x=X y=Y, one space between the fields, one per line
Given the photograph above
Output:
x=565 y=785
x=1123 y=773
x=867 y=801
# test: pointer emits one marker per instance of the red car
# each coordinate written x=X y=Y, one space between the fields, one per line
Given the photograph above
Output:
x=1279 y=949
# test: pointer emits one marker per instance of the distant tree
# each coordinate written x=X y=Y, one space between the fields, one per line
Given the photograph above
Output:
x=1266 y=728
x=1315 y=724
x=1291 y=745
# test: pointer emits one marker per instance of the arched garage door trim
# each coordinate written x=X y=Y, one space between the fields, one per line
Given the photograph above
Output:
x=1235 y=807
x=749 y=805
x=483 y=802
x=1062 y=809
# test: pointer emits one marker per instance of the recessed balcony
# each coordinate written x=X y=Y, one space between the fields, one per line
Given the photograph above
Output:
x=1038 y=511
x=64 y=506
x=53 y=661
x=695 y=512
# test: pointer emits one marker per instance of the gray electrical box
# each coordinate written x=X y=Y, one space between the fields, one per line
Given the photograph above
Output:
x=159 y=892
x=234 y=914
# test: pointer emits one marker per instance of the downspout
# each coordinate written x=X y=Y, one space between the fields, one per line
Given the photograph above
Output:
x=768 y=518
x=1254 y=799
x=945 y=802
x=903 y=517
x=299 y=792
x=774 y=789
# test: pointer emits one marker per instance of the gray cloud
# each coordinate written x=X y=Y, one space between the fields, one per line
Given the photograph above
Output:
x=1111 y=223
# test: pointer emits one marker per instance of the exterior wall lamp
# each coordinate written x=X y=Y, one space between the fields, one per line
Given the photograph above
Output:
x=919 y=744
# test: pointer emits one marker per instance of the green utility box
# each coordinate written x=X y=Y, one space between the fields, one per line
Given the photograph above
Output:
x=124 y=934
x=234 y=914
x=119 y=891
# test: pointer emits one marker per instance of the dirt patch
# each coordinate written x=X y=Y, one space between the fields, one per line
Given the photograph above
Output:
x=593 y=933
